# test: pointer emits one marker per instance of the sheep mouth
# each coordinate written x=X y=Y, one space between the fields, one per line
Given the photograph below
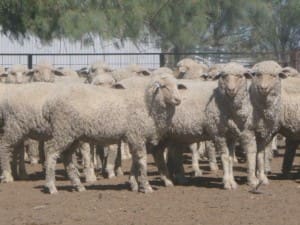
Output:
x=231 y=93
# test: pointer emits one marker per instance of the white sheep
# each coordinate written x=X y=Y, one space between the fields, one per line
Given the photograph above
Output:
x=121 y=114
x=190 y=69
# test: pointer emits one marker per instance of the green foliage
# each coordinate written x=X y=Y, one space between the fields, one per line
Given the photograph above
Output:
x=177 y=25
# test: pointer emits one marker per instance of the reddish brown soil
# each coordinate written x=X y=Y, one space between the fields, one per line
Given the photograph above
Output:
x=202 y=201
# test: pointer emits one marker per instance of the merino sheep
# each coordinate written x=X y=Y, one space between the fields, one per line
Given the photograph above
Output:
x=229 y=117
x=97 y=68
x=129 y=71
x=3 y=74
x=290 y=119
x=42 y=72
x=291 y=72
x=265 y=95
x=22 y=119
x=190 y=69
x=17 y=74
x=115 y=121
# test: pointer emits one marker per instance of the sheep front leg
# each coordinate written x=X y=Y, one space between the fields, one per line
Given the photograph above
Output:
x=195 y=158
x=5 y=157
x=248 y=143
x=261 y=162
x=227 y=162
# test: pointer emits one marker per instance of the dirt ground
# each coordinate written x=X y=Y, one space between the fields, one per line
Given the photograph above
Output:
x=202 y=201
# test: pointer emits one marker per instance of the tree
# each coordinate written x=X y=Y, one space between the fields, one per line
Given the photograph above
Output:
x=275 y=27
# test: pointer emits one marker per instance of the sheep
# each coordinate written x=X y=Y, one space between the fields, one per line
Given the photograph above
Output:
x=214 y=70
x=289 y=120
x=103 y=79
x=17 y=74
x=117 y=114
x=42 y=72
x=291 y=72
x=229 y=117
x=190 y=69
x=265 y=94
x=97 y=68
x=28 y=118
x=129 y=71
x=3 y=74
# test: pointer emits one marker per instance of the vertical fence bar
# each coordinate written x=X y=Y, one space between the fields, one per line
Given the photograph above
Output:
x=162 y=61
x=29 y=61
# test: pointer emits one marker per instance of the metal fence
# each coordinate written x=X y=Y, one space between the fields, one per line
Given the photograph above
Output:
x=115 y=60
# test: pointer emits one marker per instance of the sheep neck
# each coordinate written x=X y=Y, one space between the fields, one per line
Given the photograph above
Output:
x=266 y=110
x=161 y=112
x=236 y=109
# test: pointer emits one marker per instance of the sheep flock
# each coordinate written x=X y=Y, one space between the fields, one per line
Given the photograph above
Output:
x=94 y=118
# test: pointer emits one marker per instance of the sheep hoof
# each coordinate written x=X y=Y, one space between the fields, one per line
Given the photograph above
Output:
x=7 y=178
x=213 y=167
x=230 y=185
x=90 y=179
x=111 y=175
x=80 y=188
x=133 y=184
x=119 y=172
x=168 y=183
x=198 y=173
x=34 y=161
x=90 y=176
x=146 y=188
x=253 y=182
x=264 y=180
x=52 y=190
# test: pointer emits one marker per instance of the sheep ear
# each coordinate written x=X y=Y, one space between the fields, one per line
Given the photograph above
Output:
x=30 y=73
x=283 y=74
x=205 y=76
x=58 y=72
x=146 y=72
x=118 y=86
x=218 y=76
x=249 y=74
x=181 y=86
x=5 y=74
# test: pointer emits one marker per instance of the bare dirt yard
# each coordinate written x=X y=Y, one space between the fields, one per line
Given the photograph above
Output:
x=201 y=201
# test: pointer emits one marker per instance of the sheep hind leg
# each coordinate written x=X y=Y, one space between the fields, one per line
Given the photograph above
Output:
x=50 y=163
x=112 y=152
x=139 y=154
x=212 y=157
x=22 y=169
x=88 y=165
x=289 y=155
x=118 y=161
x=158 y=155
x=72 y=171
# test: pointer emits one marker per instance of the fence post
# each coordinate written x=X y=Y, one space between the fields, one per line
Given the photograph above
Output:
x=162 y=61
x=29 y=61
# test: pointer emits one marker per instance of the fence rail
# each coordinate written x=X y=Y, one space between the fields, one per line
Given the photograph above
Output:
x=150 y=60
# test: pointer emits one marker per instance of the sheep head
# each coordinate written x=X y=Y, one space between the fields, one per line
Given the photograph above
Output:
x=267 y=75
x=17 y=74
x=166 y=86
x=42 y=72
x=232 y=79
